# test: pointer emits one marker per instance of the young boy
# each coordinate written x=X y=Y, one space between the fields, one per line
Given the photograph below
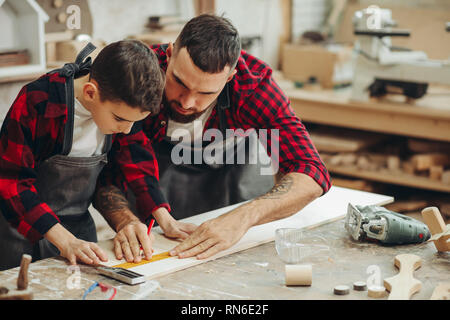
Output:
x=54 y=144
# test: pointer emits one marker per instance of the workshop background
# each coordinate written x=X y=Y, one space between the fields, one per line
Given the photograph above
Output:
x=377 y=105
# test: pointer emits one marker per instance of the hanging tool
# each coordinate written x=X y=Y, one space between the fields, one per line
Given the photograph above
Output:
x=381 y=225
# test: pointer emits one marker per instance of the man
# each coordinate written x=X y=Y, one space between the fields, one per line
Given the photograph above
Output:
x=212 y=84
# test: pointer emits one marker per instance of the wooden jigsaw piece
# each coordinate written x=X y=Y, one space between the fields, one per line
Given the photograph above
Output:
x=441 y=292
x=440 y=232
x=403 y=285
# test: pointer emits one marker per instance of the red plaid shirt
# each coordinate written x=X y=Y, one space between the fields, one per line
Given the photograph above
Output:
x=33 y=131
x=257 y=102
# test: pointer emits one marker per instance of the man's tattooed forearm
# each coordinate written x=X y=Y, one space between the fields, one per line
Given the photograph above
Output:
x=280 y=188
x=110 y=199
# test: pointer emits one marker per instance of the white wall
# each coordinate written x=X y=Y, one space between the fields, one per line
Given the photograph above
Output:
x=256 y=17
x=114 y=20
x=308 y=15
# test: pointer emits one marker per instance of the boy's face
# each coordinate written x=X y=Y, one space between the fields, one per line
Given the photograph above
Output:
x=189 y=91
x=110 y=116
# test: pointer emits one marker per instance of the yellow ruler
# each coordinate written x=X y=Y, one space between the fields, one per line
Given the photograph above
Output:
x=155 y=257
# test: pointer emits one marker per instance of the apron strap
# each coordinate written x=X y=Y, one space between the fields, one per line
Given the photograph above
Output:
x=82 y=64
x=71 y=71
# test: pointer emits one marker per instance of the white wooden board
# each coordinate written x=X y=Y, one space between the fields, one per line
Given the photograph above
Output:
x=328 y=208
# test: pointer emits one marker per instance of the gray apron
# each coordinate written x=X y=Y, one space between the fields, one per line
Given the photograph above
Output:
x=193 y=188
x=65 y=183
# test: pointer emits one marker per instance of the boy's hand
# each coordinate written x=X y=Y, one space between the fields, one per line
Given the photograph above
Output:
x=84 y=251
x=130 y=238
x=74 y=249
x=171 y=227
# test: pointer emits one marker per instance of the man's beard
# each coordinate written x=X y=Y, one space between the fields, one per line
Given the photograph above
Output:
x=178 y=117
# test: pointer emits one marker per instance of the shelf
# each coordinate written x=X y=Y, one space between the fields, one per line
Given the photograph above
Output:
x=428 y=117
x=25 y=77
x=392 y=177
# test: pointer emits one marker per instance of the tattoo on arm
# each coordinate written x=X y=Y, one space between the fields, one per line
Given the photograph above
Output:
x=280 y=188
x=110 y=199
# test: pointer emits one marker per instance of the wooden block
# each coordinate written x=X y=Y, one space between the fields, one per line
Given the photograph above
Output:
x=376 y=291
x=393 y=163
x=445 y=178
x=343 y=159
x=327 y=140
x=348 y=159
x=428 y=146
x=363 y=163
x=359 y=286
x=408 y=167
x=427 y=160
x=403 y=285
x=335 y=160
x=298 y=275
x=436 y=172
x=433 y=219
x=341 y=290
x=441 y=292
x=378 y=158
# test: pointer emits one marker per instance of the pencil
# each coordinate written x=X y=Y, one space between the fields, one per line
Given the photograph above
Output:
x=150 y=226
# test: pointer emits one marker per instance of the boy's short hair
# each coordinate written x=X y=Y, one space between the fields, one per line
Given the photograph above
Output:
x=129 y=71
x=212 y=42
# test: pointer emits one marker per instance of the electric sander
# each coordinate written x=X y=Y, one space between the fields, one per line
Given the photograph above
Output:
x=374 y=223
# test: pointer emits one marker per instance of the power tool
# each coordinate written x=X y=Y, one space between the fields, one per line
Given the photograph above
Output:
x=378 y=224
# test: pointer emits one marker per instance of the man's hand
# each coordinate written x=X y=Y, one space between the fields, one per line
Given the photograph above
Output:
x=130 y=238
x=74 y=249
x=212 y=237
x=171 y=227
x=289 y=195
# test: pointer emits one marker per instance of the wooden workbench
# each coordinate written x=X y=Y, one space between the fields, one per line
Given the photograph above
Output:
x=254 y=274
x=428 y=117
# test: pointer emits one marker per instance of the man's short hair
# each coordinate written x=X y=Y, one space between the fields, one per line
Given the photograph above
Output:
x=211 y=41
x=128 y=71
